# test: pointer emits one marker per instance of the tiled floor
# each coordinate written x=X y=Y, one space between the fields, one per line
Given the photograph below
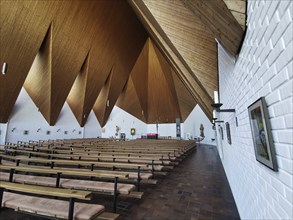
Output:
x=196 y=189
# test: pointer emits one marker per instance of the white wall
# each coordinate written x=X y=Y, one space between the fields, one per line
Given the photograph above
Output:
x=92 y=127
x=192 y=124
x=125 y=122
x=165 y=130
x=264 y=68
x=3 y=131
x=25 y=116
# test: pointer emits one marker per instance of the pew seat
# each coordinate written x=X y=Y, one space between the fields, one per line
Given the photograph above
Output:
x=50 y=207
x=39 y=201
x=96 y=186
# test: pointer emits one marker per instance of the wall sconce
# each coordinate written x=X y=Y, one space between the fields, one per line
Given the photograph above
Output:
x=13 y=129
x=216 y=103
x=73 y=130
x=58 y=129
x=38 y=129
x=4 y=68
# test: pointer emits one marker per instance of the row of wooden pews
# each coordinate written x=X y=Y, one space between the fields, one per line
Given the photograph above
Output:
x=103 y=166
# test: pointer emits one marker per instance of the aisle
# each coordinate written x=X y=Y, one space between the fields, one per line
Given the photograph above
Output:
x=196 y=189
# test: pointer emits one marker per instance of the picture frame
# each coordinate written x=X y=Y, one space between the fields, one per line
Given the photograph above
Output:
x=228 y=133
x=261 y=133
x=221 y=132
x=132 y=131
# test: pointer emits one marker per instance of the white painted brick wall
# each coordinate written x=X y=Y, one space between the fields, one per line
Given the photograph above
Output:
x=263 y=68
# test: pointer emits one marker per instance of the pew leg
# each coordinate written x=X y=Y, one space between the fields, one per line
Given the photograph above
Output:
x=58 y=180
x=71 y=209
x=11 y=175
x=138 y=179
x=153 y=169
x=1 y=196
x=115 y=194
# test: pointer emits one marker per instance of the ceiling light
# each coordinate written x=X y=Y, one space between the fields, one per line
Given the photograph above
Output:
x=4 y=68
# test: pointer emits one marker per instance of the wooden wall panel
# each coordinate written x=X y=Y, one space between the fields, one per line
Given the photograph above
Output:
x=23 y=26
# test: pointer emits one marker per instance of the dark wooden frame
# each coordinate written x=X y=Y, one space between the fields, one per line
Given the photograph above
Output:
x=228 y=133
x=261 y=133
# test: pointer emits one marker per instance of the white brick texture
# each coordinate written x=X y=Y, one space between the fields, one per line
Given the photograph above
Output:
x=263 y=68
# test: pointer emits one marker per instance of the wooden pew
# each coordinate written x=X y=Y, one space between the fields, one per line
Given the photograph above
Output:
x=90 y=164
x=40 y=205
x=117 y=188
x=89 y=156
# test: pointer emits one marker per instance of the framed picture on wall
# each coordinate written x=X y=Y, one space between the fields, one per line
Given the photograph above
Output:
x=261 y=133
x=221 y=132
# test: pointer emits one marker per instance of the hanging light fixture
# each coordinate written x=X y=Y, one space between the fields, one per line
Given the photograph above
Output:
x=4 y=68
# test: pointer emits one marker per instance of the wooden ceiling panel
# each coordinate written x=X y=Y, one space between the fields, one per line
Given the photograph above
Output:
x=161 y=97
x=103 y=101
x=185 y=99
x=139 y=75
x=23 y=26
x=75 y=29
x=76 y=97
x=163 y=105
x=215 y=15
x=193 y=41
x=129 y=101
x=167 y=71
x=172 y=55
x=100 y=63
x=38 y=81
x=129 y=37
x=238 y=10
x=90 y=52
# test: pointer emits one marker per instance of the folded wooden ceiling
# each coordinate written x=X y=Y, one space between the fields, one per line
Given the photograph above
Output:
x=156 y=59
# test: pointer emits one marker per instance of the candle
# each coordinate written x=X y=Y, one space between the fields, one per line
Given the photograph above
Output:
x=216 y=97
x=214 y=113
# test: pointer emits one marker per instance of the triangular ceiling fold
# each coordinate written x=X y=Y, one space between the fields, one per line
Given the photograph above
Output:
x=161 y=100
x=20 y=42
x=76 y=97
x=90 y=53
x=38 y=81
x=126 y=40
x=103 y=101
x=173 y=56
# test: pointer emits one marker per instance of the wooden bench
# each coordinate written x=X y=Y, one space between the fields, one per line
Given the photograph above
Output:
x=48 y=206
x=103 y=158
x=103 y=187
x=91 y=164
